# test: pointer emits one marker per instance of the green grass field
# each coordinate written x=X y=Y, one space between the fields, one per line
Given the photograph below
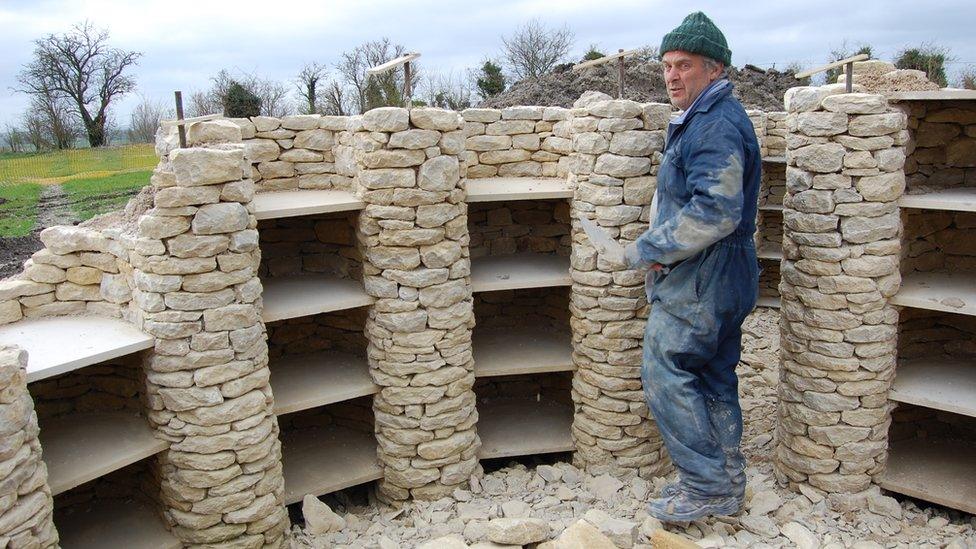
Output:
x=18 y=210
x=93 y=196
x=95 y=181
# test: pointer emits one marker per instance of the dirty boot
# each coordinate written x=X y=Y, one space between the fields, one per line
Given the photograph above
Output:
x=685 y=507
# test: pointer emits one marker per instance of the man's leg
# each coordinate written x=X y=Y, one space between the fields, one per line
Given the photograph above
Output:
x=720 y=387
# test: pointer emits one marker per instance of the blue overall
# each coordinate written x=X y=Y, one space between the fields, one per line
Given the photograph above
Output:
x=703 y=229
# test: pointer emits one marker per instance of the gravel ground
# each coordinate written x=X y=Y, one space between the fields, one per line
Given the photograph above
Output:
x=559 y=494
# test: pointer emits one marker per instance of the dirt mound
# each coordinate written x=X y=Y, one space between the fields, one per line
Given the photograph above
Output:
x=644 y=82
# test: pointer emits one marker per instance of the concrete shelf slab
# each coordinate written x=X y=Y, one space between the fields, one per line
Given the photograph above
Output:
x=82 y=447
x=947 y=292
x=325 y=459
x=935 y=95
x=933 y=470
x=520 y=427
x=961 y=199
x=770 y=252
x=497 y=189
x=772 y=207
x=280 y=204
x=943 y=384
x=510 y=272
x=62 y=344
x=295 y=296
x=768 y=301
x=130 y=523
x=521 y=350
x=301 y=382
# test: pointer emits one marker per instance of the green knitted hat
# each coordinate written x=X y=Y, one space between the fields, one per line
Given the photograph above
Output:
x=697 y=34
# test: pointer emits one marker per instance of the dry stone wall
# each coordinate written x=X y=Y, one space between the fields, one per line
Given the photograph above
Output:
x=942 y=151
x=516 y=142
x=776 y=133
x=26 y=504
x=617 y=147
x=414 y=233
x=208 y=392
x=842 y=249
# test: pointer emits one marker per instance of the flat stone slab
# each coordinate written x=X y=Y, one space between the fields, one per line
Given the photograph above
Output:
x=276 y=205
x=130 y=523
x=512 y=272
x=496 y=189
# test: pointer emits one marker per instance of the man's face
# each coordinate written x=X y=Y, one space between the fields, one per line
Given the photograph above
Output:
x=686 y=75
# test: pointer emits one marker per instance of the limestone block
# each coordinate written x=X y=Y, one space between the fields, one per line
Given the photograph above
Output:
x=220 y=218
x=196 y=167
x=213 y=131
x=510 y=127
x=520 y=169
x=162 y=227
x=504 y=156
x=386 y=119
x=522 y=113
x=885 y=187
x=621 y=166
x=590 y=143
x=488 y=143
x=636 y=143
x=808 y=98
x=821 y=158
x=400 y=158
x=177 y=197
x=821 y=123
x=871 y=125
x=315 y=140
x=388 y=178
x=589 y=97
x=856 y=103
x=261 y=150
x=517 y=531
x=414 y=139
x=441 y=173
x=62 y=239
x=430 y=118
x=481 y=115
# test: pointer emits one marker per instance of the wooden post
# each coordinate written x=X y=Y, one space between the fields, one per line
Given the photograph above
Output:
x=849 y=76
x=406 y=84
x=179 y=117
x=620 y=78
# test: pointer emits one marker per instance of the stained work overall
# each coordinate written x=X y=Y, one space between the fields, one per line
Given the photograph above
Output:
x=703 y=229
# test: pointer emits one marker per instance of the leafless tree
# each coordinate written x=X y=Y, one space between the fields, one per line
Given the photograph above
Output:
x=273 y=95
x=35 y=131
x=13 y=138
x=60 y=126
x=80 y=67
x=307 y=83
x=144 y=120
x=200 y=103
x=447 y=91
x=533 y=49
x=373 y=91
x=336 y=100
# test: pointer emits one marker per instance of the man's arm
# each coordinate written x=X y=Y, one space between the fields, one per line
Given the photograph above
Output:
x=714 y=172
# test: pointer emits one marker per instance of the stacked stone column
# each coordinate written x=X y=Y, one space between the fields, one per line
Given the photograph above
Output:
x=26 y=504
x=617 y=147
x=197 y=292
x=414 y=237
x=841 y=255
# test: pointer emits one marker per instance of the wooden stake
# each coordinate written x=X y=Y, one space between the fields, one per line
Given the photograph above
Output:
x=620 y=78
x=179 y=117
x=849 y=73
x=406 y=84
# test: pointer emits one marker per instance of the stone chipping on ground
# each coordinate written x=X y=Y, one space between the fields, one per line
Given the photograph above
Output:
x=643 y=82
x=517 y=505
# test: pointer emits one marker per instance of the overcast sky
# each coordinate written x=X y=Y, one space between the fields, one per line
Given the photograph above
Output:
x=185 y=42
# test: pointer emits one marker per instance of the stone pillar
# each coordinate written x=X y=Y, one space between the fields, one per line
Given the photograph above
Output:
x=617 y=147
x=416 y=264
x=197 y=292
x=26 y=504
x=841 y=250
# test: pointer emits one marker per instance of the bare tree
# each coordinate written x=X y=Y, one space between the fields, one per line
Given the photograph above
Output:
x=447 y=91
x=13 y=138
x=35 y=130
x=201 y=103
x=336 y=99
x=374 y=91
x=533 y=50
x=144 y=120
x=60 y=126
x=307 y=83
x=273 y=95
x=82 y=68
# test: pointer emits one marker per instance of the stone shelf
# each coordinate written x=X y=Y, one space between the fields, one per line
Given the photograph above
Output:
x=84 y=340
x=295 y=296
x=950 y=293
x=933 y=470
x=961 y=199
x=521 y=350
x=772 y=208
x=325 y=459
x=946 y=384
x=769 y=252
x=511 y=272
x=774 y=159
x=767 y=301
x=520 y=427
x=130 y=523
x=935 y=95
x=497 y=189
x=300 y=382
x=82 y=447
x=275 y=205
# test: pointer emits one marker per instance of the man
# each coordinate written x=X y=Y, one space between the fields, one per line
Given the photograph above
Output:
x=703 y=275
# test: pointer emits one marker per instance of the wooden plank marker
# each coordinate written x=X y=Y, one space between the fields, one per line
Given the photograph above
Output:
x=619 y=57
x=179 y=117
x=848 y=68
x=392 y=64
